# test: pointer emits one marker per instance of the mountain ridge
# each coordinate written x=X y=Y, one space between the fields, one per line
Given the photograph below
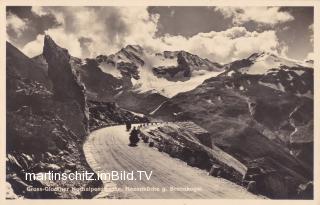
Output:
x=262 y=99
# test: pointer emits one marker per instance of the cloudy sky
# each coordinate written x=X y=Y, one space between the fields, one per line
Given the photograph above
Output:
x=221 y=34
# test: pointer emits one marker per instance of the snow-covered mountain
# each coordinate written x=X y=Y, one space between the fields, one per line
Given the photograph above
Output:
x=172 y=72
x=276 y=72
x=185 y=65
x=261 y=63
x=167 y=73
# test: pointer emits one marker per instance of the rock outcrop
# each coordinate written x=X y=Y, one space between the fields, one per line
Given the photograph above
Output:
x=67 y=87
x=186 y=64
x=41 y=135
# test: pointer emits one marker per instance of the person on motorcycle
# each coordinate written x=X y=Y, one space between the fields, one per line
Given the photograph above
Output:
x=134 y=137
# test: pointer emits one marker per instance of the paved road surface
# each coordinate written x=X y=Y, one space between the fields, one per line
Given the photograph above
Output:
x=107 y=149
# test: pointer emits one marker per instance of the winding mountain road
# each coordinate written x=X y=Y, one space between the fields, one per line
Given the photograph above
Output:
x=107 y=150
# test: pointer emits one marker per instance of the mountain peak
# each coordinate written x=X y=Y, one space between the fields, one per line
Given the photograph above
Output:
x=49 y=41
x=261 y=62
x=260 y=55
x=52 y=51
x=129 y=54
x=134 y=48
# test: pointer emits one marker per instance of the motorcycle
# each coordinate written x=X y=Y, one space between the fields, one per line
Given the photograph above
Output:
x=134 y=137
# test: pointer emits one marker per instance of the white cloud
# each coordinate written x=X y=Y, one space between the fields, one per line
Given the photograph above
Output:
x=264 y=15
x=34 y=48
x=234 y=43
x=311 y=30
x=70 y=42
x=38 y=10
x=111 y=28
x=15 y=23
x=310 y=56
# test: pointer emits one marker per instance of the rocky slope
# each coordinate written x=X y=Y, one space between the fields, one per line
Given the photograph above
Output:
x=109 y=113
x=186 y=66
x=262 y=126
x=39 y=137
x=192 y=144
x=48 y=119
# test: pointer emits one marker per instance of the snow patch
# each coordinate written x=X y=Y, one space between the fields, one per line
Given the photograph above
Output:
x=209 y=101
x=230 y=73
x=177 y=113
x=290 y=77
x=148 y=81
x=110 y=69
x=135 y=113
x=156 y=61
x=118 y=88
x=155 y=110
x=277 y=86
x=299 y=72
x=307 y=94
x=83 y=62
x=264 y=63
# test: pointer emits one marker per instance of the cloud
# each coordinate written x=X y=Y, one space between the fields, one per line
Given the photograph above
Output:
x=310 y=56
x=16 y=24
x=91 y=31
x=234 y=43
x=106 y=28
x=69 y=41
x=35 y=47
x=38 y=11
x=172 y=12
x=263 y=15
x=311 y=30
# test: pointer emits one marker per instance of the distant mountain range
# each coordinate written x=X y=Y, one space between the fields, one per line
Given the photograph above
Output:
x=258 y=109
